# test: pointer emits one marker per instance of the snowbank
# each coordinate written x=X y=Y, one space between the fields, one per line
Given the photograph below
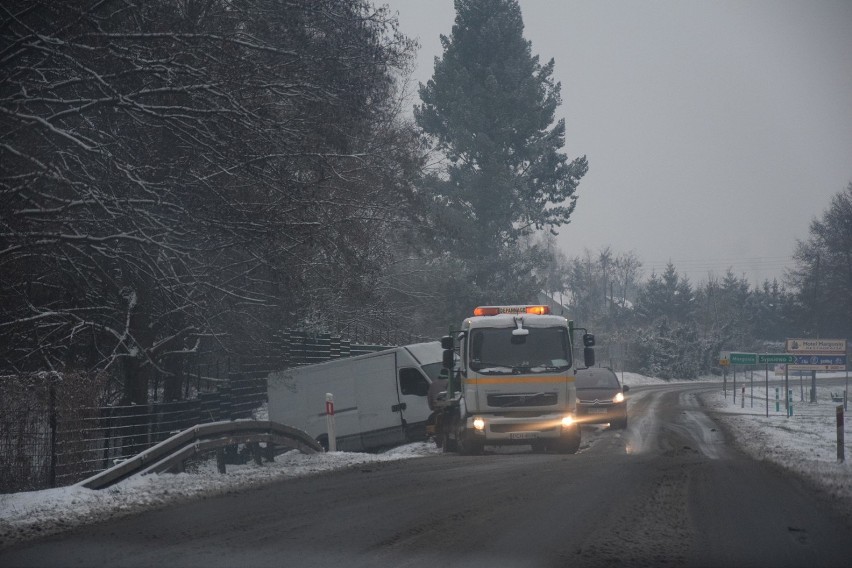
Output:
x=36 y=513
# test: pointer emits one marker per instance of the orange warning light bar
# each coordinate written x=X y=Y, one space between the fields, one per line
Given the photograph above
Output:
x=497 y=310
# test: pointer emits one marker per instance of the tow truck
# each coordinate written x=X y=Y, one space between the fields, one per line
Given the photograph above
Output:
x=510 y=380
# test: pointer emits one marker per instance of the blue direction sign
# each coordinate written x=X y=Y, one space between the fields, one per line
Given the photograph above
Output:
x=820 y=360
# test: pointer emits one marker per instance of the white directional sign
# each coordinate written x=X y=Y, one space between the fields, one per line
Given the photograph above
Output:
x=817 y=346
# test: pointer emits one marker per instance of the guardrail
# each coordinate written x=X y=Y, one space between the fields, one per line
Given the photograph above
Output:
x=170 y=454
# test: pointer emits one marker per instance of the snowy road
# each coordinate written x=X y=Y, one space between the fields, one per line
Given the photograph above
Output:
x=670 y=490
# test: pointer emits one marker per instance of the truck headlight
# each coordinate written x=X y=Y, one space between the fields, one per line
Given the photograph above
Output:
x=618 y=398
x=478 y=423
x=567 y=421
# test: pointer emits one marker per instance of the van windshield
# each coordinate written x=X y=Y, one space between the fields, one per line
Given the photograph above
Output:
x=433 y=370
x=498 y=351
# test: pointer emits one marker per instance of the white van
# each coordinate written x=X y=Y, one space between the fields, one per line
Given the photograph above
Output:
x=379 y=398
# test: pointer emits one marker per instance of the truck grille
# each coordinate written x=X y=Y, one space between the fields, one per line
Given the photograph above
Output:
x=519 y=400
x=532 y=427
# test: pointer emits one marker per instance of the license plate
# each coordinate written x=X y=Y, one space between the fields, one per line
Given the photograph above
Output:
x=597 y=410
x=522 y=435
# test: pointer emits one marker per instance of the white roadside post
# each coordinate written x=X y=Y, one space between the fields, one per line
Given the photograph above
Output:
x=329 y=420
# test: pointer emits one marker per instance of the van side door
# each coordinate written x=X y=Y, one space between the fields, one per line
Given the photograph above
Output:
x=413 y=404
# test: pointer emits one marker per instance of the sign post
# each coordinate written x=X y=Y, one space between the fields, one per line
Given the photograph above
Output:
x=736 y=358
x=788 y=391
x=774 y=358
x=329 y=421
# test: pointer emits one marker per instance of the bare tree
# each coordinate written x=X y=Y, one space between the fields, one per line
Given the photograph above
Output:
x=175 y=171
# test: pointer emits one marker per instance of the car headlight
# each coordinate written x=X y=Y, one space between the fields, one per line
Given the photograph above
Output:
x=479 y=423
x=618 y=397
x=568 y=420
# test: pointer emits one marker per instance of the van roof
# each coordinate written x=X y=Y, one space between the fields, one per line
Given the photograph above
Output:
x=426 y=353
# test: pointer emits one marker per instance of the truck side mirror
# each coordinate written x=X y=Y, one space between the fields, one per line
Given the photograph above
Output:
x=588 y=340
x=447 y=342
x=449 y=358
x=588 y=356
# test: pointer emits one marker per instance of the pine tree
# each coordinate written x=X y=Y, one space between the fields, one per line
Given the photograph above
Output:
x=669 y=295
x=823 y=274
x=489 y=108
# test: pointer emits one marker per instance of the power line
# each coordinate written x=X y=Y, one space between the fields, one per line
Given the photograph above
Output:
x=759 y=268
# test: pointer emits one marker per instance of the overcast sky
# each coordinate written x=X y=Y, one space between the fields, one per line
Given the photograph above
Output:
x=715 y=131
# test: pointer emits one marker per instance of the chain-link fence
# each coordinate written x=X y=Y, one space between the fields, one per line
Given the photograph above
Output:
x=55 y=430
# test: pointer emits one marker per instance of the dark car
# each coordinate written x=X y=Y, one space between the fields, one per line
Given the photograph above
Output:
x=600 y=398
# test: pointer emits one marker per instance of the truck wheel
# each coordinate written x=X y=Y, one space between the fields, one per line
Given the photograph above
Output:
x=468 y=447
x=569 y=444
x=467 y=444
x=448 y=444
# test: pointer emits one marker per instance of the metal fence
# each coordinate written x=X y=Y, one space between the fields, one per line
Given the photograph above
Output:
x=46 y=440
x=53 y=432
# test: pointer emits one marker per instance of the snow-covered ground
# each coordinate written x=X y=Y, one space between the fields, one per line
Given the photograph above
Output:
x=804 y=443
x=34 y=513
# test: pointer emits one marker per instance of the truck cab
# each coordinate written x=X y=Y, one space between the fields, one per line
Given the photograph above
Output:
x=512 y=381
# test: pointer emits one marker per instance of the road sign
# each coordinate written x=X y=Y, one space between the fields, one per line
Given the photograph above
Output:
x=816 y=346
x=820 y=360
x=743 y=358
x=819 y=363
x=724 y=358
x=818 y=354
x=772 y=358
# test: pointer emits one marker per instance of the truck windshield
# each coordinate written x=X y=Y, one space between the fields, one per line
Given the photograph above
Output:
x=497 y=351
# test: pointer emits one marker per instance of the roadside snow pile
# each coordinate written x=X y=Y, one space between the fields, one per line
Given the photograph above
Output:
x=805 y=443
x=637 y=379
x=37 y=513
